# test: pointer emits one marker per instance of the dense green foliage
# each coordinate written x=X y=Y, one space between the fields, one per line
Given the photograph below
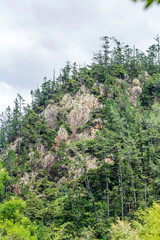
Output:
x=146 y=226
x=47 y=190
x=149 y=2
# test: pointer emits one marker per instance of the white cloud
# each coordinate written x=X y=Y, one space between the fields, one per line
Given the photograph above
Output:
x=7 y=95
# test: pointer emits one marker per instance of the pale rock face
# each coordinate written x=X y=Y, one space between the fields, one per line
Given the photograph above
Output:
x=143 y=75
x=62 y=181
x=79 y=106
x=77 y=109
x=127 y=78
x=15 y=144
x=98 y=123
x=62 y=135
x=67 y=101
x=119 y=81
x=136 y=90
x=91 y=163
x=109 y=95
x=17 y=189
x=41 y=149
x=109 y=160
x=48 y=160
x=136 y=82
x=79 y=115
x=50 y=113
x=146 y=74
x=101 y=88
x=28 y=178
x=88 y=134
x=82 y=104
x=91 y=133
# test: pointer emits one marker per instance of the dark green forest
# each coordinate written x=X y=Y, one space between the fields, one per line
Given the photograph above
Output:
x=71 y=173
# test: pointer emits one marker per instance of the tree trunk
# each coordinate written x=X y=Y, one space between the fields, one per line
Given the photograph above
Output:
x=107 y=200
x=90 y=195
x=133 y=195
x=121 y=191
x=122 y=201
x=145 y=193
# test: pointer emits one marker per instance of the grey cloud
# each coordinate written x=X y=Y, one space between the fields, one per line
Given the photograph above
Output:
x=50 y=32
x=51 y=14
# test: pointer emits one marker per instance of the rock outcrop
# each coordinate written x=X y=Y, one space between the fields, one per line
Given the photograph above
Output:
x=62 y=135
x=73 y=112
x=77 y=109
x=50 y=113
x=135 y=91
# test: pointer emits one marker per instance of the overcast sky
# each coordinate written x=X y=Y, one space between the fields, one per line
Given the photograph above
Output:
x=39 y=35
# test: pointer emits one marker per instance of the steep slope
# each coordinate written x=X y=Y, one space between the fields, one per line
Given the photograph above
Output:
x=87 y=149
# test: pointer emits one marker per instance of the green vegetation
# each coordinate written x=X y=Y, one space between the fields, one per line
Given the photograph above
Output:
x=146 y=226
x=95 y=174
x=14 y=225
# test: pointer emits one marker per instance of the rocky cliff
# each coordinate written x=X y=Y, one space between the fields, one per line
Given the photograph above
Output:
x=70 y=117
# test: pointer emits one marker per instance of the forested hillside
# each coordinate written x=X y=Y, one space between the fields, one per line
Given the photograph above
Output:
x=82 y=161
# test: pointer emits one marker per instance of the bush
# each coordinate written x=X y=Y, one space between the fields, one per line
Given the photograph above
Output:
x=150 y=90
x=117 y=71
x=95 y=90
